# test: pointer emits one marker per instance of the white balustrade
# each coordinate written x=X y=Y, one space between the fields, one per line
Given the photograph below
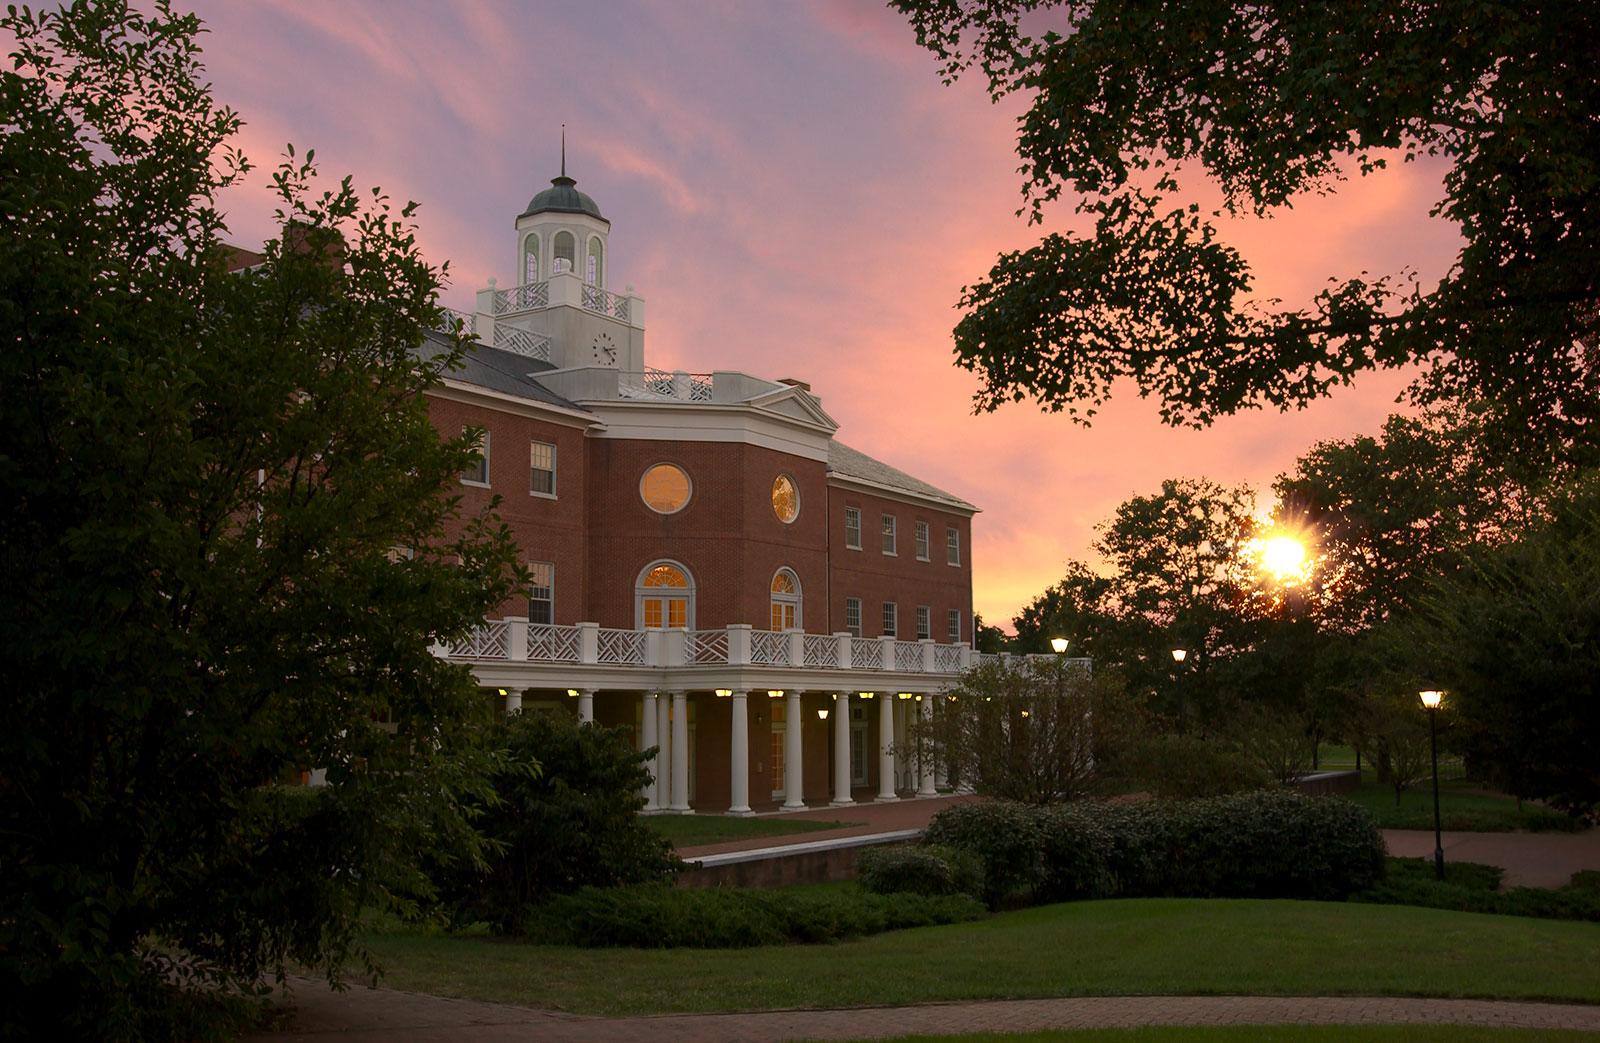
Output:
x=769 y=648
x=908 y=657
x=621 y=647
x=553 y=644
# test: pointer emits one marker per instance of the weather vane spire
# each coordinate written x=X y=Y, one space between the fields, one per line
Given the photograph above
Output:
x=563 y=150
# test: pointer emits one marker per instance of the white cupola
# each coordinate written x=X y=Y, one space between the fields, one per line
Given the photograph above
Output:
x=562 y=231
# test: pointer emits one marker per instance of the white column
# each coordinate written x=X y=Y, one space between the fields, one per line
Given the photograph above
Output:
x=586 y=705
x=647 y=739
x=886 y=701
x=793 y=747
x=841 y=751
x=929 y=787
x=664 y=758
x=680 y=752
x=739 y=762
x=513 y=700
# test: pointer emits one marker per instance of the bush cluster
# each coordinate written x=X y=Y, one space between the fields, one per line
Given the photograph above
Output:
x=924 y=870
x=564 y=815
x=658 y=916
x=1471 y=888
x=1252 y=845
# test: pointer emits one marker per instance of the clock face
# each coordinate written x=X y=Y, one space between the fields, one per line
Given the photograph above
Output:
x=605 y=349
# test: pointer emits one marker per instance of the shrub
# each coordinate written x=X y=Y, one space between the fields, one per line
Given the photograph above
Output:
x=1255 y=845
x=925 y=870
x=1004 y=836
x=1472 y=888
x=568 y=823
x=656 y=916
x=1179 y=767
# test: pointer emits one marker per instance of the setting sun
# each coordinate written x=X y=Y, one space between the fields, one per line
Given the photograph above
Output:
x=1284 y=557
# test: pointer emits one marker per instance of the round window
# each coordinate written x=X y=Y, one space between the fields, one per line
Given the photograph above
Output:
x=665 y=488
x=785 y=499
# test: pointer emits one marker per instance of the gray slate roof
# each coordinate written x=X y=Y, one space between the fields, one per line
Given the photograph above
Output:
x=853 y=463
x=503 y=371
x=563 y=197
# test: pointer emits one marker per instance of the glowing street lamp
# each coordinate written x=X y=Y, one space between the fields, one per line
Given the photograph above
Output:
x=1058 y=645
x=1180 y=654
x=1431 y=698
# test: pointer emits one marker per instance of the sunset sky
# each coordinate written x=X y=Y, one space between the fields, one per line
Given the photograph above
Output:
x=795 y=194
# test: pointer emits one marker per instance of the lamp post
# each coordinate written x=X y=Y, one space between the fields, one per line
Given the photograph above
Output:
x=1178 y=656
x=1431 y=698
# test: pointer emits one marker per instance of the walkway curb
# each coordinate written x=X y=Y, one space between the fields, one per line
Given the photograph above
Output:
x=415 y=1018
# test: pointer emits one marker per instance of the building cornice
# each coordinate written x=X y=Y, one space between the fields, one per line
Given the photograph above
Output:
x=890 y=492
x=472 y=394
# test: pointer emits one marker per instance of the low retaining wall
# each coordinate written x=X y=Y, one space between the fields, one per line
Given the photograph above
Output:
x=1328 y=783
x=810 y=863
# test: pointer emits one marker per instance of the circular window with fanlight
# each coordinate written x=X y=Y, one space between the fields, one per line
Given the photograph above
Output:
x=785 y=499
x=665 y=488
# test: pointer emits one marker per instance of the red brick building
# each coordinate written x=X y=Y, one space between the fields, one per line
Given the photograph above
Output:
x=713 y=568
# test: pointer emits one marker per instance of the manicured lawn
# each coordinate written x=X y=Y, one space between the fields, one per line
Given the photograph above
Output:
x=1274 y=1034
x=1462 y=805
x=1144 y=946
x=694 y=830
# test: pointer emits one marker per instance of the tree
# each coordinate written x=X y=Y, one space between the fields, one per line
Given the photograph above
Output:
x=1036 y=729
x=1074 y=608
x=227 y=542
x=1271 y=103
x=1516 y=638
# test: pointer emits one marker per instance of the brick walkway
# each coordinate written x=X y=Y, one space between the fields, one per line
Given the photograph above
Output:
x=374 y=1015
x=1529 y=859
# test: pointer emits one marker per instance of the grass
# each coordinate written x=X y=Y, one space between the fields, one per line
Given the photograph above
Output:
x=696 y=830
x=1274 y=1034
x=1463 y=805
x=1123 y=947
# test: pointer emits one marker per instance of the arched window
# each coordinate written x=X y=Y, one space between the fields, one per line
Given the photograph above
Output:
x=530 y=260
x=785 y=600
x=664 y=597
x=566 y=253
x=596 y=274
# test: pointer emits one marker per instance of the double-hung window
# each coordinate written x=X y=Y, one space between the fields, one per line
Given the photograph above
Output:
x=542 y=469
x=477 y=472
x=922 y=541
x=888 y=533
x=852 y=616
x=852 y=528
x=955 y=626
x=889 y=628
x=924 y=622
x=952 y=545
x=542 y=593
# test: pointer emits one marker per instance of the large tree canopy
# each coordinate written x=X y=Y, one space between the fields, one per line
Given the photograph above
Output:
x=1272 y=102
x=227 y=541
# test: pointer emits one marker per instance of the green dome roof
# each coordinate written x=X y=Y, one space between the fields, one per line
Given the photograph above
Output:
x=563 y=197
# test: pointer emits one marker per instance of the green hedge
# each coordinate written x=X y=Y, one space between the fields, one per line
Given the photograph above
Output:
x=656 y=916
x=924 y=870
x=1472 y=888
x=1254 y=845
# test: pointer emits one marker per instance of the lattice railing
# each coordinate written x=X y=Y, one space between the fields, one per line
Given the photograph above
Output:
x=492 y=640
x=947 y=659
x=821 y=651
x=908 y=657
x=769 y=648
x=624 y=647
x=451 y=320
x=522 y=298
x=700 y=387
x=605 y=302
x=552 y=644
x=708 y=646
x=533 y=345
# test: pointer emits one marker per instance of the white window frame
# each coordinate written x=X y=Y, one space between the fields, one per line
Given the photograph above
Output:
x=924 y=541
x=924 y=623
x=796 y=599
x=483 y=455
x=641 y=592
x=852 y=513
x=891 y=535
x=532 y=470
x=891 y=619
x=952 y=546
x=953 y=622
x=852 y=606
x=549 y=600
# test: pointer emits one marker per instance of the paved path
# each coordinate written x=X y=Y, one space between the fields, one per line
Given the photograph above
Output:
x=1529 y=859
x=373 y=1015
